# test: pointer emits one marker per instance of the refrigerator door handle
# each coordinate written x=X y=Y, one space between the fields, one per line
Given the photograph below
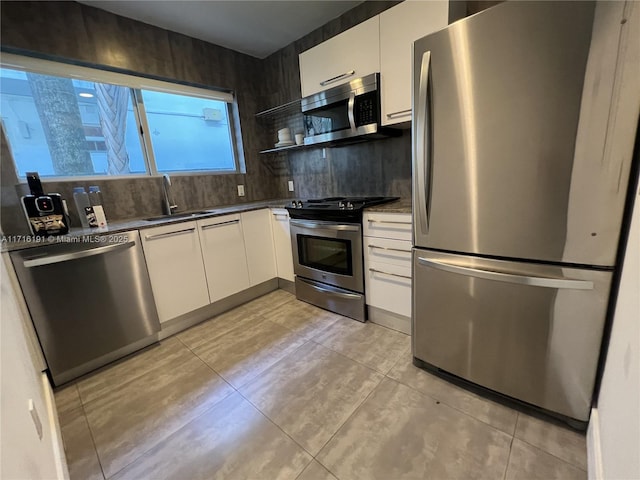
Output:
x=422 y=158
x=547 y=282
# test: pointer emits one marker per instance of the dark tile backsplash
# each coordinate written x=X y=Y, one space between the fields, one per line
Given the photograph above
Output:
x=81 y=34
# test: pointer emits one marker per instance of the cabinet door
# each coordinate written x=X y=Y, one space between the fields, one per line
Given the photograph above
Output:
x=258 y=243
x=174 y=261
x=400 y=26
x=329 y=64
x=224 y=255
x=282 y=243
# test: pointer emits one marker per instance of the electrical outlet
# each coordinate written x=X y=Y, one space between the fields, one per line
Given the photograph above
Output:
x=290 y=185
x=241 y=190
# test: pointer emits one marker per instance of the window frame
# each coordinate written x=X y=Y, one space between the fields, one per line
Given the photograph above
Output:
x=136 y=84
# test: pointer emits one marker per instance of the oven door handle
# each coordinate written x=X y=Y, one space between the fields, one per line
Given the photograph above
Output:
x=330 y=292
x=325 y=226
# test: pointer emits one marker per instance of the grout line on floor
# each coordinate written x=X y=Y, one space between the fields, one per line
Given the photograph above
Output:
x=355 y=410
x=345 y=356
x=278 y=427
x=93 y=441
x=506 y=467
x=444 y=402
x=552 y=454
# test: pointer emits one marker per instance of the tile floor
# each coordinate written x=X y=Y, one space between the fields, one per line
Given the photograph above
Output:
x=279 y=389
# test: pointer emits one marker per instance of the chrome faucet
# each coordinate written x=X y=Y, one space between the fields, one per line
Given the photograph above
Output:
x=169 y=203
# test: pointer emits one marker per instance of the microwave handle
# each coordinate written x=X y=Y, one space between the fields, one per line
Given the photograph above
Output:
x=350 y=108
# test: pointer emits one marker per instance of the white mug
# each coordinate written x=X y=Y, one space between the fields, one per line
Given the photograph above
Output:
x=299 y=138
x=284 y=135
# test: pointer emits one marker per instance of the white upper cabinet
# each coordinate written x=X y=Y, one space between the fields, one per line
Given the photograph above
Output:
x=224 y=255
x=258 y=242
x=353 y=53
x=174 y=261
x=400 y=26
x=282 y=241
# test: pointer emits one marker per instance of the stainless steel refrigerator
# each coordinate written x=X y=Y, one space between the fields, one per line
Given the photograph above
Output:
x=516 y=222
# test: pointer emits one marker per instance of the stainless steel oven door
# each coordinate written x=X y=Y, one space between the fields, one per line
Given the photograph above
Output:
x=328 y=252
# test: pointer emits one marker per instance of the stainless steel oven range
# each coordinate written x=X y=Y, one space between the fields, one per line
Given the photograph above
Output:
x=326 y=237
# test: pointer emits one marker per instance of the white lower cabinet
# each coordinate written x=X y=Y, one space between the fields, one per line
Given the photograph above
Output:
x=387 y=263
x=223 y=252
x=258 y=242
x=174 y=261
x=282 y=243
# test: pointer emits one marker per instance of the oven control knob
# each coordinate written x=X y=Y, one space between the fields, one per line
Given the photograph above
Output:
x=341 y=205
x=349 y=206
x=299 y=204
x=293 y=203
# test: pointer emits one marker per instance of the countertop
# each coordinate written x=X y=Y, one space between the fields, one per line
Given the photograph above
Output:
x=402 y=205
x=19 y=242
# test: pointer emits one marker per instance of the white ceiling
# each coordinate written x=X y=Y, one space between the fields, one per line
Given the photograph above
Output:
x=257 y=28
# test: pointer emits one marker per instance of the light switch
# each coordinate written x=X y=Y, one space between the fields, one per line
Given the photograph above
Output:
x=241 y=190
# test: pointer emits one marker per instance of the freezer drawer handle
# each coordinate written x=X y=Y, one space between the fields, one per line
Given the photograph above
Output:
x=221 y=224
x=331 y=292
x=390 y=249
x=373 y=270
x=168 y=234
x=38 y=262
x=547 y=282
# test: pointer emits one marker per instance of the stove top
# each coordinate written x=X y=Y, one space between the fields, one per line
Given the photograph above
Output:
x=334 y=208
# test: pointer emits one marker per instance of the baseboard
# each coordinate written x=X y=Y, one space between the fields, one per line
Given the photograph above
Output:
x=390 y=320
x=287 y=285
x=594 y=453
x=53 y=423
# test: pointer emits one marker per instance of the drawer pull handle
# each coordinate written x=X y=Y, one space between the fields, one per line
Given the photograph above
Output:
x=373 y=270
x=391 y=249
x=337 y=77
x=401 y=113
x=221 y=224
x=372 y=220
x=169 y=234
x=281 y=215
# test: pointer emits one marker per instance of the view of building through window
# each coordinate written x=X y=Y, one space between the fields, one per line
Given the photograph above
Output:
x=60 y=126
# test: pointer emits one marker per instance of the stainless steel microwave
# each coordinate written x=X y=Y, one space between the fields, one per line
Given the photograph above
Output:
x=344 y=112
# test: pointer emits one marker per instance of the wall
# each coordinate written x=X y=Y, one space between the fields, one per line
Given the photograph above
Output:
x=23 y=453
x=618 y=411
x=381 y=167
x=84 y=35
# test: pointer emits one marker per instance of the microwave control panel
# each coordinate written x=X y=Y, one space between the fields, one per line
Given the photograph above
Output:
x=366 y=110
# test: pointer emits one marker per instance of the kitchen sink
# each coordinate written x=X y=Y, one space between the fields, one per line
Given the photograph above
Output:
x=178 y=215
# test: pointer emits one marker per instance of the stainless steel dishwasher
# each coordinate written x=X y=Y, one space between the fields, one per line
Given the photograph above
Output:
x=90 y=301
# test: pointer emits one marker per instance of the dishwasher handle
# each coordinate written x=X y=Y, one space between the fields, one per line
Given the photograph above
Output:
x=65 y=257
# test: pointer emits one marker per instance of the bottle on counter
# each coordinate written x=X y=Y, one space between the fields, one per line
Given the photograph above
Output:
x=95 y=197
x=83 y=203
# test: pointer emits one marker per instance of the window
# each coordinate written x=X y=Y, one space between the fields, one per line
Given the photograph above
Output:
x=69 y=127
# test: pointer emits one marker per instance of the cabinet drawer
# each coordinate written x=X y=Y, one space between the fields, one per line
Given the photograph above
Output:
x=389 y=287
x=388 y=225
x=384 y=250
